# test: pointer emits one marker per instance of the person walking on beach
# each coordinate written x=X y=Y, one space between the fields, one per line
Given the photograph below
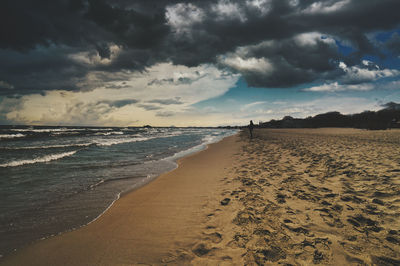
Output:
x=251 y=126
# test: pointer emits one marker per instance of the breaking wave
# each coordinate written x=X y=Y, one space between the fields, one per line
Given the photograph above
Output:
x=44 y=159
x=11 y=136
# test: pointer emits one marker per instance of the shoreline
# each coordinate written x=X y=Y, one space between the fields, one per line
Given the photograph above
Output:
x=168 y=164
x=287 y=196
x=179 y=163
x=187 y=153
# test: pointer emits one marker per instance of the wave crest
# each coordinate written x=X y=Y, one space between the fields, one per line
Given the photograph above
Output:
x=11 y=136
x=44 y=159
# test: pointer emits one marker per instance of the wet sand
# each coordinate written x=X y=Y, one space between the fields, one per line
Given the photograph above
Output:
x=290 y=197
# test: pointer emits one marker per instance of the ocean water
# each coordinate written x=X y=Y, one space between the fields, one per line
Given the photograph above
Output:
x=55 y=179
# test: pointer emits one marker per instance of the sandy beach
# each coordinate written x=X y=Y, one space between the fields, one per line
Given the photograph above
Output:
x=290 y=196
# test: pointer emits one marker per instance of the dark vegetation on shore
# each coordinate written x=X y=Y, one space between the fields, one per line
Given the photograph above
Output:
x=388 y=117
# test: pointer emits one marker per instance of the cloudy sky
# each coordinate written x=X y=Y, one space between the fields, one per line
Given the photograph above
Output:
x=194 y=63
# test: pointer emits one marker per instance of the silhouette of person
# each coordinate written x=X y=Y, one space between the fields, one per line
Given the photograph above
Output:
x=251 y=126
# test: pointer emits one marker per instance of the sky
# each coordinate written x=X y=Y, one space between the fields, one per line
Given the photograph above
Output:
x=194 y=63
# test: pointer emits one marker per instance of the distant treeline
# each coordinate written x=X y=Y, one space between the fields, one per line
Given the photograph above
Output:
x=389 y=117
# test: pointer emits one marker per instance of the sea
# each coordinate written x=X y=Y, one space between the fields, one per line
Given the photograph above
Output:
x=57 y=179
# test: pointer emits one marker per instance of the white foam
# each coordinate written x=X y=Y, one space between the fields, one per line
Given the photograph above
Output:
x=110 y=133
x=184 y=153
x=48 y=146
x=208 y=139
x=64 y=129
x=96 y=184
x=41 y=130
x=44 y=159
x=109 y=206
x=174 y=133
x=64 y=133
x=11 y=136
x=99 y=129
x=109 y=142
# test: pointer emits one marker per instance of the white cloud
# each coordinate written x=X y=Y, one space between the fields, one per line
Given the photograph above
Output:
x=228 y=10
x=263 y=6
x=368 y=63
x=360 y=78
x=293 y=3
x=252 y=105
x=93 y=108
x=92 y=58
x=370 y=72
x=251 y=64
x=311 y=38
x=326 y=6
x=335 y=86
x=182 y=16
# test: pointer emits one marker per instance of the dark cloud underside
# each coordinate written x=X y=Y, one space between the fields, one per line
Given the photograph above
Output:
x=39 y=39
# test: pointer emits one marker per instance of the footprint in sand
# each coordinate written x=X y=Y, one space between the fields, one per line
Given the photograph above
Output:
x=225 y=201
x=214 y=237
x=202 y=249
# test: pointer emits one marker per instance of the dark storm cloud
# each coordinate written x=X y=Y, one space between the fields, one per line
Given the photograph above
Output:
x=40 y=69
x=39 y=39
x=292 y=62
x=394 y=44
x=25 y=24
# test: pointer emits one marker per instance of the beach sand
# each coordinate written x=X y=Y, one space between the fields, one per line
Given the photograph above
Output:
x=289 y=197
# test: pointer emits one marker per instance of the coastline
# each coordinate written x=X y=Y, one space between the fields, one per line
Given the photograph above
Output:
x=65 y=214
x=326 y=196
x=138 y=196
x=176 y=159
